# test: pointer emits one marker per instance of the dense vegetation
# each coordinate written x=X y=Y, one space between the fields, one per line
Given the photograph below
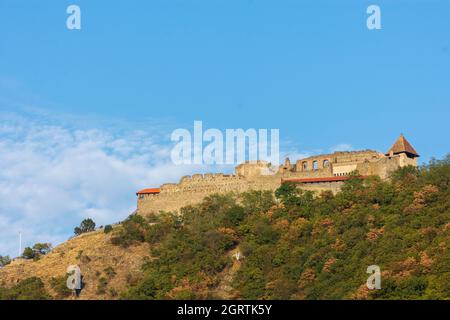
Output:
x=38 y=250
x=297 y=246
x=28 y=289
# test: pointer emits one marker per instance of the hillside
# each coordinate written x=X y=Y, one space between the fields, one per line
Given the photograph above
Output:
x=93 y=253
x=292 y=244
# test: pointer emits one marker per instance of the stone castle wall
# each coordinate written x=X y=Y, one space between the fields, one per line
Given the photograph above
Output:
x=192 y=189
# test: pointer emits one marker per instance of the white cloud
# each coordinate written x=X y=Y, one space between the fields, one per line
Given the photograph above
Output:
x=52 y=176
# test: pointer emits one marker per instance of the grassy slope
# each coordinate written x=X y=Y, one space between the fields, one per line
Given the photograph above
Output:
x=97 y=254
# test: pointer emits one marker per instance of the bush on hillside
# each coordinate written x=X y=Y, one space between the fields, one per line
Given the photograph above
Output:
x=28 y=289
x=4 y=260
x=108 y=228
x=38 y=250
x=132 y=230
x=87 y=225
x=59 y=285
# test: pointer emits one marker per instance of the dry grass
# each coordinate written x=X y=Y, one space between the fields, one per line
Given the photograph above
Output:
x=93 y=253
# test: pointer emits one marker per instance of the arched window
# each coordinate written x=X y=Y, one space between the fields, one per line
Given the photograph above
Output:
x=315 y=167
x=326 y=163
x=305 y=165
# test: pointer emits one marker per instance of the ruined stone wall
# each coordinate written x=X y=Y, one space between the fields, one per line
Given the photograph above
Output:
x=193 y=189
x=385 y=166
x=319 y=173
x=320 y=187
x=336 y=159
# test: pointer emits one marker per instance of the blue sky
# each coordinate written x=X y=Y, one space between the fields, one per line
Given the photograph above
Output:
x=140 y=69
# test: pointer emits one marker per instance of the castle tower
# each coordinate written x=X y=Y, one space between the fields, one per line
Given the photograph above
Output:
x=405 y=152
x=402 y=146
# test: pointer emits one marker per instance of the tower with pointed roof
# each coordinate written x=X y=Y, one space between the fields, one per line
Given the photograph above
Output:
x=402 y=146
x=405 y=151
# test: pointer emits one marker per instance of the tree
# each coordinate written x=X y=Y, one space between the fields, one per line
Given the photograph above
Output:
x=296 y=201
x=38 y=250
x=87 y=225
x=108 y=228
x=42 y=248
x=4 y=260
x=133 y=229
x=256 y=201
x=286 y=192
x=28 y=253
x=235 y=215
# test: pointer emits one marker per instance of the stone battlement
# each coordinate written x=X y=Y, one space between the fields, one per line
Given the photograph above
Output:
x=313 y=171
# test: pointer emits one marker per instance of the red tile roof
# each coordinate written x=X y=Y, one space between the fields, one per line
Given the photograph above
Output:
x=402 y=145
x=149 y=191
x=312 y=180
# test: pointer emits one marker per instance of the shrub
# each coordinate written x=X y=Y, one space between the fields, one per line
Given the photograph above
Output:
x=113 y=292
x=38 y=250
x=28 y=289
x=133 y=229
x=42 y=248
x=108 y=228
x=257 y=201
x=235 y=215
x=87 y=225
x=102 y=284
x=28 y=253
x=109 y=271
x=59 y=285
x=4 y=260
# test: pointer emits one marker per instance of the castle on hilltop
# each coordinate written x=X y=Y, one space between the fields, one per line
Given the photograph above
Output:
x=317 y=173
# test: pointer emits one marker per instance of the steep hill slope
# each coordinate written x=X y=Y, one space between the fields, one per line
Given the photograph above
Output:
x=93 y=253
x=293 y=245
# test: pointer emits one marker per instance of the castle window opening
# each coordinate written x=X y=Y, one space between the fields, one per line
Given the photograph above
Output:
x=326 y=163
x=315 y=165
x=305 y=165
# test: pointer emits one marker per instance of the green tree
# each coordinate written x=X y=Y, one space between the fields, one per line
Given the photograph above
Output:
x=87 y=225
x=29 y=253
x=4 y=260
x=134 y=229
x=287 y=193
x=256 y=201
x=42 y=248
x=108 y=228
